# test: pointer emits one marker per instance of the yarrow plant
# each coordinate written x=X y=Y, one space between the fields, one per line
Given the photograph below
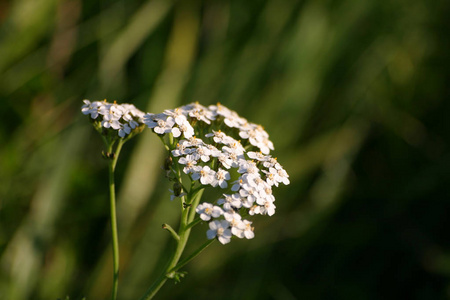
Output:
x=117 y=123
x=207 y=147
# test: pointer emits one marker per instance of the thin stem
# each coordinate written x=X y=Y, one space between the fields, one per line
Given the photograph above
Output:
x=193 y=223
x=115 y=239
x=194 y=203
x=112 y=201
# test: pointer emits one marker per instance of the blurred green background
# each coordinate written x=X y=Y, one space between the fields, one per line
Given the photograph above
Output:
x=354 y=95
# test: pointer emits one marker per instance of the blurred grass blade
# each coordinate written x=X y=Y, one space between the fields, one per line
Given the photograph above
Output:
x=140 y=26
x=24 y=255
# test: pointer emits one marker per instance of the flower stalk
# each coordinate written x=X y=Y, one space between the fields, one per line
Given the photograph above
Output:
x=112 y=161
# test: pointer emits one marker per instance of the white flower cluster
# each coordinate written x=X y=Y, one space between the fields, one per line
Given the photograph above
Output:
x=123 y=118
x=219 y=157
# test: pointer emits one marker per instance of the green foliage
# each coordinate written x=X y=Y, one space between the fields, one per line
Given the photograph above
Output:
x=354 y=95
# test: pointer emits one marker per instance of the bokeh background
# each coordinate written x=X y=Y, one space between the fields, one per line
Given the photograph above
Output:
x=355 y=97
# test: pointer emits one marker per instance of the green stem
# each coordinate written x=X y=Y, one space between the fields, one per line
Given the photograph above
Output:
x=192 y=256
x=193 y=223
x=112 y=201
x=194 y=203
x=172 y=232
x=187 y=215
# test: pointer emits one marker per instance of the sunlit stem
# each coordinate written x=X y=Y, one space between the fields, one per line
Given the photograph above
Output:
x=187 y=216
x=112 y=161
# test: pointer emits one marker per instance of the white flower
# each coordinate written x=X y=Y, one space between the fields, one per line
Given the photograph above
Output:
x=237 y=185
x=249 y=196
x=219 y=137
x=129 y=111
x=236 y=224
x=133 y=124
x=205 y=174
x=132 y=112
x=184 y=128
x=230 y=201
x=221 y=230
x=269 y=208
x=234 y=121
x=190 y=164
x=112 y=110
x=164 y=126
x=192 y=142
x=221 y=178
x=274 y=176
x=248 y=131
x=176 y=132
x=266 y=146
x=248 y=166
x=254 y=210
x=282 y=175
x=219 y=109
x=177 y=114
x=240 y=228
x=181 y=150
x=270 y=176
x=207 y=210
x=202 y=152
x=225 y=160
x=113 y=116
x=85 y=109
x=230 y=157
x=271 y=162
x=257 y=136
x=149 y=120
x=214 y=151
x=265 y=195
x=234 y=147
x=91 y=108
x=126 y=129
x=231 y=118
x=258 y=156
x=248 y=230
x=259 y=184
x=202 y=115
x=160 y=123
x=111 y=121
x=199 y=112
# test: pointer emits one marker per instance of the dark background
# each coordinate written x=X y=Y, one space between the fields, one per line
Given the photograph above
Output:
x=354 y=95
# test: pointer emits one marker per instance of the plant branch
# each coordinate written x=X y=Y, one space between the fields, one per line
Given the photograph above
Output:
x=191 y=257
x=187 y=215
x=172 y=232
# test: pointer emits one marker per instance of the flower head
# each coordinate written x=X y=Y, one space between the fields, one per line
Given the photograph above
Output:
x=220 y=149
x=120 y=120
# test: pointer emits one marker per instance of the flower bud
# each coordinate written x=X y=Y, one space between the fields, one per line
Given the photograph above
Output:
x=177 y=188
x=168 y=163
